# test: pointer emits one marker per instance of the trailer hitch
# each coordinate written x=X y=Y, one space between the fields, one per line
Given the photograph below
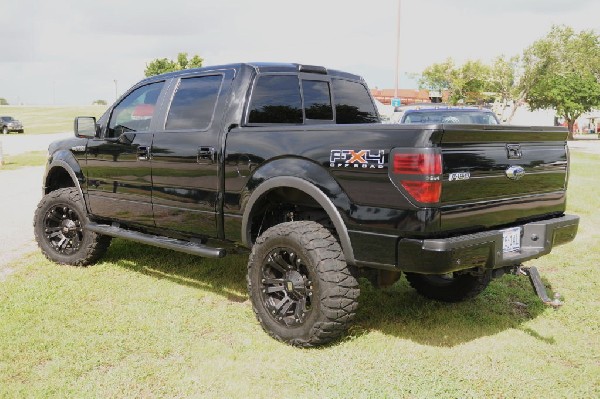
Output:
x=538 y=286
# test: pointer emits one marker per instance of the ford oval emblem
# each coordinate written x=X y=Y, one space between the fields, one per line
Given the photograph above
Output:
x=515 y=172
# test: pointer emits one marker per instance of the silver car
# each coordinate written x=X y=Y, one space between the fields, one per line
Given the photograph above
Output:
x=10 y=124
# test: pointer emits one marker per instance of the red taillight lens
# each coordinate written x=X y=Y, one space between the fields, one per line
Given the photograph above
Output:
x=418 y=164
x=419 y=174
x=424 y=191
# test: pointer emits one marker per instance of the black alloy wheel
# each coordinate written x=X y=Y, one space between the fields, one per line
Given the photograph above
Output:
x=62 y=229
x=59 y=227
x=287 y=288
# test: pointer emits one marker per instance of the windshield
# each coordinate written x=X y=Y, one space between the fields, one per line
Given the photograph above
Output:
x=443 y=116
x=7 y=118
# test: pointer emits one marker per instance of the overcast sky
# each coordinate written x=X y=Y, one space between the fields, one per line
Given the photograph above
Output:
x=72 y=51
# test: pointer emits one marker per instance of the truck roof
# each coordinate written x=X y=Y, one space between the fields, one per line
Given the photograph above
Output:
x=265 y=67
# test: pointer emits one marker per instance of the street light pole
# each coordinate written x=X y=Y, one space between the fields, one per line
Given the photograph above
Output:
x=397 y=48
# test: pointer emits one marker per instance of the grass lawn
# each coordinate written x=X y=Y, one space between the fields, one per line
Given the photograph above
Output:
x=32 y=158
x=147 y=322
x=50 y=119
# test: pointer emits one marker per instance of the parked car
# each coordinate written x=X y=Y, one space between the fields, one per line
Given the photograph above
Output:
x=440 y=113
x=9 y=124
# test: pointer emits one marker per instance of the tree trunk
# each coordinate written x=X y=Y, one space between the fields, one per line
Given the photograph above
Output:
x=512 y=112
x=570 y=124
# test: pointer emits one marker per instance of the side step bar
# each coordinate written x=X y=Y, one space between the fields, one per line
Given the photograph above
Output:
x=157 y=241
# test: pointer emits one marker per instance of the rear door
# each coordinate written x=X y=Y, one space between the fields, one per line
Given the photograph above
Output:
x=119 y=179
x=185 y=154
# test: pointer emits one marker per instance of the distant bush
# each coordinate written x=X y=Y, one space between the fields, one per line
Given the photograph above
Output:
x=3 y=101
x=99 y=102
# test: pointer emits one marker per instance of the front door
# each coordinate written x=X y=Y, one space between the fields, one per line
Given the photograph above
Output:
x=119 y=174
x=185 y=156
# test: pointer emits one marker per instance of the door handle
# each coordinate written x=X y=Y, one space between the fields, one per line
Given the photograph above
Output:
x=143 y=153
x=206 y=154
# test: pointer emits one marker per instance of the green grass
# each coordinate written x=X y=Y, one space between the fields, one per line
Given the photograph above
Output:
x=50 y=119
x=147 y=322
x=32 y=158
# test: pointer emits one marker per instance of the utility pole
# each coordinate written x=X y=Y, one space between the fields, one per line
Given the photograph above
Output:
x=116 y=95
x=397 y=48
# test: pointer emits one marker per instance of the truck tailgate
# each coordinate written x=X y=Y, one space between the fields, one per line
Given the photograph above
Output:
x=498 y=175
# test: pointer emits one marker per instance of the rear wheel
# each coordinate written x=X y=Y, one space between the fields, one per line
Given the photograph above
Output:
x=302 y=291
x=451 y=287
x=59 y=228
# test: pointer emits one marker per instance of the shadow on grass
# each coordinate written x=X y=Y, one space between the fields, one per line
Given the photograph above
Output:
x=399 y=311
x=226 y=276
x=507 y=303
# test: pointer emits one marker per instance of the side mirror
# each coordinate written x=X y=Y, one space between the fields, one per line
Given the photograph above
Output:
x=85 y=127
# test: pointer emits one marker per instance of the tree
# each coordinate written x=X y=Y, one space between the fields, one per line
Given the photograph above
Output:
x=466 y=83
x=3 y=101
x=99 y=102
x=438 y=77
x=503 y=81
x=164 y=65
x=562 y=71
x=469 y=83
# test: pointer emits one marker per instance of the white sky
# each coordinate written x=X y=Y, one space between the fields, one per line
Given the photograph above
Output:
x=71 y=51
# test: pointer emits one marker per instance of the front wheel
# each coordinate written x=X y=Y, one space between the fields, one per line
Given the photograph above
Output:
x=4 y=130
x=451 y=287
x=302 y=291
x=59 y=228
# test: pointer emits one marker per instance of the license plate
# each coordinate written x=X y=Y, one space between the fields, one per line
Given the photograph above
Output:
x=511 y=239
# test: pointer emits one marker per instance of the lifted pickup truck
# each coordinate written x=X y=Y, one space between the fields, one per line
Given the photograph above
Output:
x=292 y=161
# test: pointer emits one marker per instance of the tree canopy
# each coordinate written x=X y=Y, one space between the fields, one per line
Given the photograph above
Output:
x=562 y=72
x=164 y=65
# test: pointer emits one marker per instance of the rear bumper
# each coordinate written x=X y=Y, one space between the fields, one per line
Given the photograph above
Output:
x=439 y=256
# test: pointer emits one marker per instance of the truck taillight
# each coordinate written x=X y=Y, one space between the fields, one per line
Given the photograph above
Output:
x=418 y=173
x=418 y=164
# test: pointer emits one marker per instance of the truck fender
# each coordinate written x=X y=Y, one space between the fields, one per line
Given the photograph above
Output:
x=66 y=161
x=310 y=189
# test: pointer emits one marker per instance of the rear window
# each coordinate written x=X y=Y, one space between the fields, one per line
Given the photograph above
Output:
x=317 y=100
x=441 y=116
x=353 y=103
x=276 y=99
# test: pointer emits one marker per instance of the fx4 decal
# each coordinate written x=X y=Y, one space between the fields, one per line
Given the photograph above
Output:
x=372 y=159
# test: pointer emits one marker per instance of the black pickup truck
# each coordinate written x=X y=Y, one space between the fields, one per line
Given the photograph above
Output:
x=292 y=161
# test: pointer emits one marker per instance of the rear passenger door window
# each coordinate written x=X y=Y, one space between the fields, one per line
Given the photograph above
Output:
x=276 y=99
x=353 y=103
x=194 y=102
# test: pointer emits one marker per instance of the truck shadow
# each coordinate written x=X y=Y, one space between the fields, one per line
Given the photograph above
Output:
x=225 y=277
x=399 y=311
x=507 y=303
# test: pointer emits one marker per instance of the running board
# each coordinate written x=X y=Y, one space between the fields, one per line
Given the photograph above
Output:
x=157 y=241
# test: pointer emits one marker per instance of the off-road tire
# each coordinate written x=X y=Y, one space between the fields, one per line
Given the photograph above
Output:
x=454 y=288
x=59 y=228
x=303 y=262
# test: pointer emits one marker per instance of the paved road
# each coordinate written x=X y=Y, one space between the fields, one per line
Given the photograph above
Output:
x=16 y=213
x=589 y=145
